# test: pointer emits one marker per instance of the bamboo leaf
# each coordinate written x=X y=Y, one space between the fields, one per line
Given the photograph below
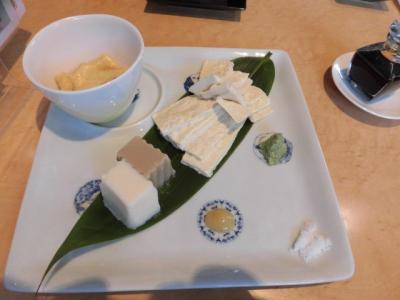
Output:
x=98 y=225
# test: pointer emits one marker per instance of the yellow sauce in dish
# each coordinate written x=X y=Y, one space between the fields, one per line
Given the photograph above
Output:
x=219 y=220
x=90 y=74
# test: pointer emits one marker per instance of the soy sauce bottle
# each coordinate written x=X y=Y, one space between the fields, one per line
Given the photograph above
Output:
x=376 y=66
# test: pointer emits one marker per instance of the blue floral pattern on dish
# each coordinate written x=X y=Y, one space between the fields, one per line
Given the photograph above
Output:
x=220 y=238
x=263 y=137
x=289 y=152
x=192 y=79
x=86 y=194
x=137 y=95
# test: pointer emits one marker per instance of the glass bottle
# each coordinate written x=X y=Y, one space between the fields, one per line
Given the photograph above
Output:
x=375 y=66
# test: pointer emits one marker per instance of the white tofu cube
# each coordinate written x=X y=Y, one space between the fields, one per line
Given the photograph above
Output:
x=130 y=197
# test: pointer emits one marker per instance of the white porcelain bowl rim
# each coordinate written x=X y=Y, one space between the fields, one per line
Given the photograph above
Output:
x=68 y=19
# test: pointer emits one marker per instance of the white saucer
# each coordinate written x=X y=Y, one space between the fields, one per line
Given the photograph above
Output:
x=386 y=105
x=146 y=101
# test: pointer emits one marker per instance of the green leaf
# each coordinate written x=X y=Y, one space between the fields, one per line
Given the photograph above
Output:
x=98 y=225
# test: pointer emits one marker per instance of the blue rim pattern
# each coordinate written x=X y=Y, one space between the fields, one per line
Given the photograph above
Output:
x=192 y=79
x=86 y=194
x=137 y=95
x=220 y=238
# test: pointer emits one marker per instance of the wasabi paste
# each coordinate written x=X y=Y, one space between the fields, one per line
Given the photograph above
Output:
x=274 y=149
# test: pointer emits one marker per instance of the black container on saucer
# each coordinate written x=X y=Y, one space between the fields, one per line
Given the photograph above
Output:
x=376 y=66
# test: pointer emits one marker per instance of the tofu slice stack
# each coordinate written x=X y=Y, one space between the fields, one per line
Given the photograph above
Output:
x=235 y=110
x=205 y=125
x=206 y=164
x=205 y=139
x=218 y=79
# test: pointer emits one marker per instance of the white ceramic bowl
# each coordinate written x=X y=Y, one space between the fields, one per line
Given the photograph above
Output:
x=64 y=44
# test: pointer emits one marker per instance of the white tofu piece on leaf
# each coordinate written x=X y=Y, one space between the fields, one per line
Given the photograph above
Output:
x=204 y=84
x=129 y=196
x=233 y=94
x=255 y=99
x=205 y=168
x=214 y=91
x=261 y=114
x=218 y=67
x=182 y=113
x=238 y=80
x=206 y=143
x=235 y=110
x=231 y=86
x=224 y=90
x=186 y=135
x=207 y=164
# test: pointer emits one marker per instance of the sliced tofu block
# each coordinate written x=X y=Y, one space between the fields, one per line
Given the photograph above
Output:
x=235 y=110
x=233 y=94
x=203 y=84
x=205 y=143
x=224 y=90
x=129 y=196
x=182 y=113
x=239 y=80
x=185 y=136
x=207 y=164
x=214 y=91
x=147 y=160
x=205 y=168
x=261 y=114
x=255 y=99
x=218 y=67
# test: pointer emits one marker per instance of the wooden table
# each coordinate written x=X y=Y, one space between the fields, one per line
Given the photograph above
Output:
x=362 y=151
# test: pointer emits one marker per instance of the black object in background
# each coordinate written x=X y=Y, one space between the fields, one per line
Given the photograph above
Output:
x=372 y=71
x=210 y=4
x=375 y=66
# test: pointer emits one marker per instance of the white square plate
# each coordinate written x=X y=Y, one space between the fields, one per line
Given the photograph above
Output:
x=173 y=254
